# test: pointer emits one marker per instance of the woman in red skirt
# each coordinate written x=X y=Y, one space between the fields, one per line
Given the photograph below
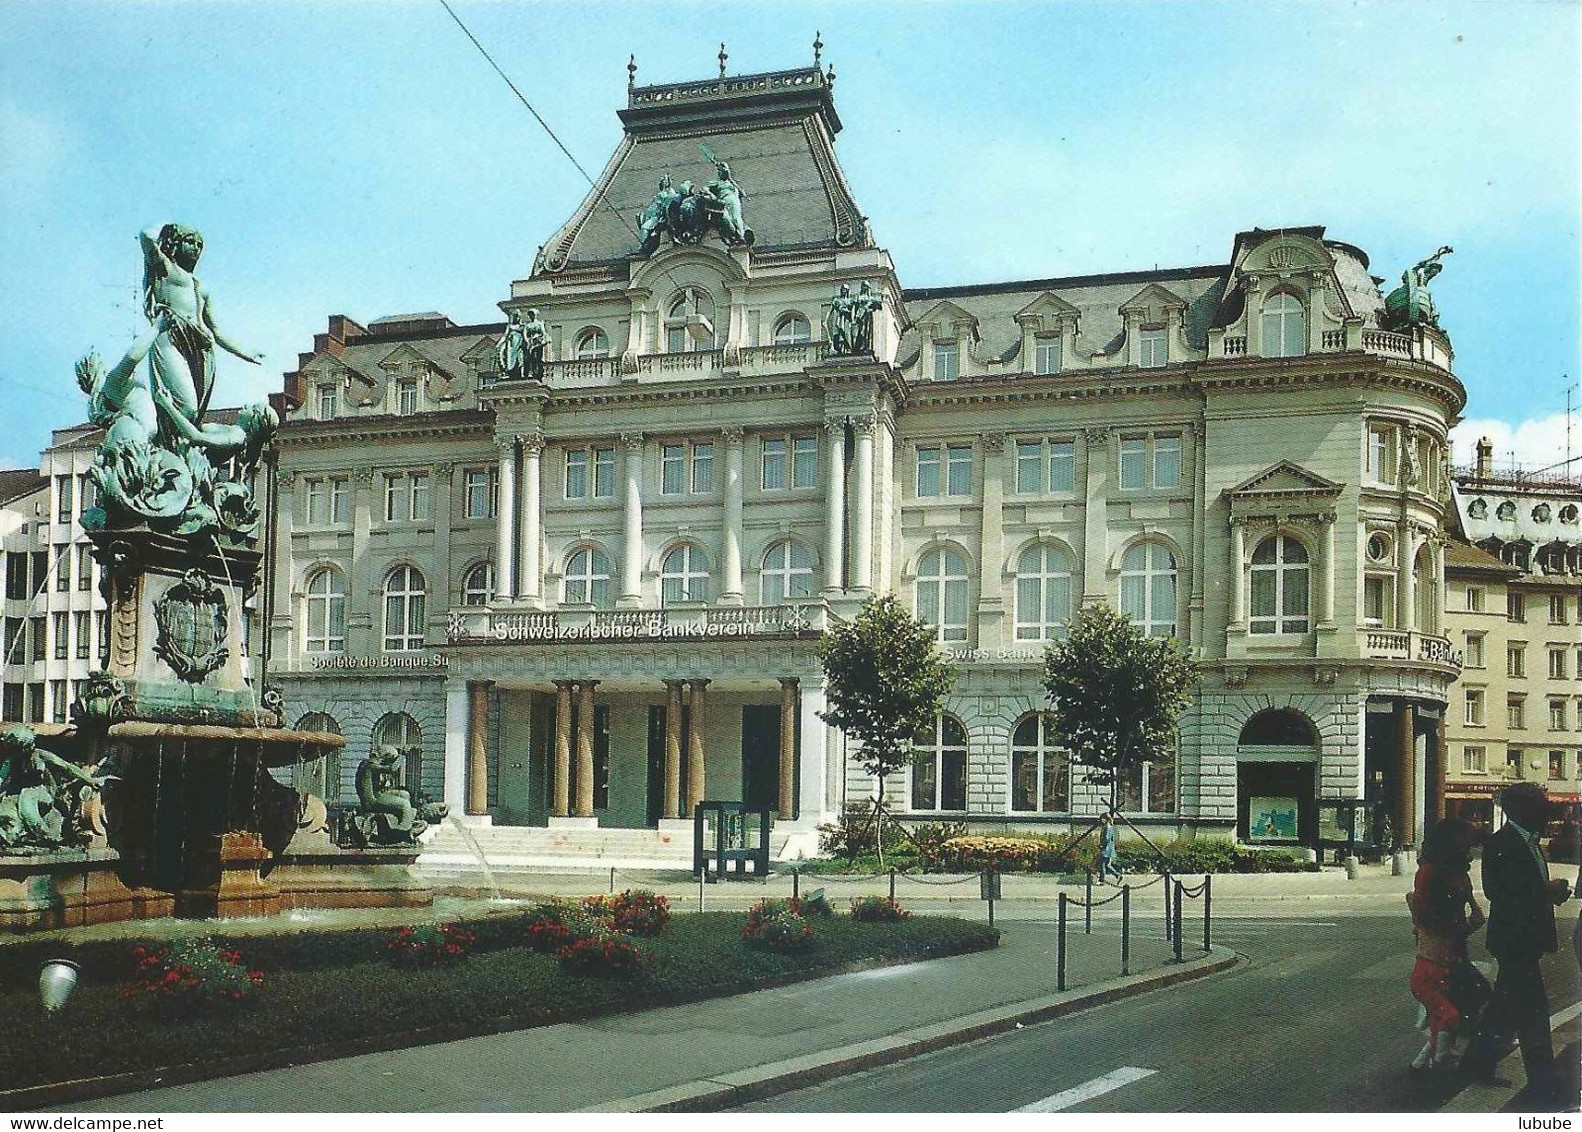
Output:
x=1444 y=914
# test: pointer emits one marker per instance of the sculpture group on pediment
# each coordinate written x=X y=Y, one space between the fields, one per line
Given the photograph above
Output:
x=688 y=213
x=848 y=327
x=161 y=464
x=520 y=352
x=1410 y=304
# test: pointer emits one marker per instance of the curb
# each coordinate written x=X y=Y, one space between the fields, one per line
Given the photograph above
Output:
x=715 y=1093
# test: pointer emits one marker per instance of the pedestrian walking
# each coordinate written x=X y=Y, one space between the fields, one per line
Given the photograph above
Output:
x=1444 y=914
x=1522 y=900
x=1107 y=849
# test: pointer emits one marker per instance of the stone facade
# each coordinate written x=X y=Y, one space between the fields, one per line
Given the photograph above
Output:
x=1234 y=454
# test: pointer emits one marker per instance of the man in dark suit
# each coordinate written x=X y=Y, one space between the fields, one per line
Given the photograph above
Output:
x=1521 y=932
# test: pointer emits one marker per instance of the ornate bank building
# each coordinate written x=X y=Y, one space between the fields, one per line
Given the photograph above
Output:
x=578 y=563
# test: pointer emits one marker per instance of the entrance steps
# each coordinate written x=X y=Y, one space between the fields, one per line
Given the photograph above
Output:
x=515 y=851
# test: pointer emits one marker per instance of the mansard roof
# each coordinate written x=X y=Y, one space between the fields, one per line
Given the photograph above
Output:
x=776 y=131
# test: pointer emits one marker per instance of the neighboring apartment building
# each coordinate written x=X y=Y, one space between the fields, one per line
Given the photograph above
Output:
x=1515 y=605
x=597 y=597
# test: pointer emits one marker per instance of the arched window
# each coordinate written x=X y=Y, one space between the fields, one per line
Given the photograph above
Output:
x=684 y=576
x=320 y=777
x=324 y=628
x=689 y=325
x=1478 y=509
x=939 y=766
x=477 y=585
x=404 y=609
x=1280 y=579
x=787 y=572
x=1278 y=727
x=792 y=330
x=1040 y=772
x=1505 y=511
x=587 y=578
x=1425 y=587
x=1043 y=593
x=591 y=343
x=1284 y=326
x=401 y=731
x=1148 y=588
x=942 y=593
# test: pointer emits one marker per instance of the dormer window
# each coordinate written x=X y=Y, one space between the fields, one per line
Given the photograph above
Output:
x=792 y=330
x=1284 y=326
x=1046 y=354
x=689 y=327
x=406 y=396
x=591 y=344
x=329 y=401
x=1153 y=349
x=947 y=360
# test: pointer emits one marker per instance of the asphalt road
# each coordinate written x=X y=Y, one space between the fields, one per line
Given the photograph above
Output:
x=1318 y=1020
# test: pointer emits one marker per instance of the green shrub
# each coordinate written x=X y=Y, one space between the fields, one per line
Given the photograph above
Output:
x=640 y=912
x=190 y=975
x=602 y=951
x=852 y=834
x=877 y=909
x=431 y=945
x=776 y=924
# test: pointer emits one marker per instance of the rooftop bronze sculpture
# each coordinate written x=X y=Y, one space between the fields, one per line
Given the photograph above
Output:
x=1410 y=304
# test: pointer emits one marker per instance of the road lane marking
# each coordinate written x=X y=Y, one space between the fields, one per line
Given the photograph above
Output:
x=1089 y=1089
x=1560 y=1018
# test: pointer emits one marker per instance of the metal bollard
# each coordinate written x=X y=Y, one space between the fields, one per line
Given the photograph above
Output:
x=612 y=880
x=1208 y=912
x=991 y=897
x=892 y=884
x=1353 y=867
x=1060 y=947
x=1176 y=917
x=1126 y=929
x=1087 y=907
x=1167 y=887
x=700 y=888
x=796 y=884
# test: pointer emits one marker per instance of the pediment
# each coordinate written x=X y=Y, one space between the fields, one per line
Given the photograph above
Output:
x=480 y=352
x=404 y=355
x=1153 y=297
x=947 y=313
x=1048 y=306
x=1286 y=252
x=1285 y=478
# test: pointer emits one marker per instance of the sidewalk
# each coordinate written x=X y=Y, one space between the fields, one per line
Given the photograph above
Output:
x=711 y=1054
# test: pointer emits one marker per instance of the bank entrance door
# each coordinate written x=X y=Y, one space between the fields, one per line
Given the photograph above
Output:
x=761 y=755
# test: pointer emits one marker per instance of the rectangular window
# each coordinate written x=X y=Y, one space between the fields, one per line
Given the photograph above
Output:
x=57 y=701
x=101 y=632
x=60 y=630
x=1557 y=714
x=929 y=481
x=1516 y=607
x=1557 y=609
x=63 y=569
x=1474 y=650
x=1046 y=355
x=16 y=577
x=1029 y=466
x=1516 y=661
x=35 y=703
x=340 y=501
x=1557 y=664
x=959 y=467
x=1381 y=454
x=1167 y=461
x=83 y=633
x=604 y=472
x=773 y=459
x=1474 y=760
x=1376 y=589
x=947 y=361
x=318 y=501
x=420 y=497
x=1134 y=462
x=40 y=571
x=702 y=468
x=804 y=461
x=576 y=473
x=65 y=501
x=87 y=494
x=1557 y=765
x=15 y=644
x=482 y=493
x=406 y=396
x=1062 y=465
x=329 y=402
x=84 y=568
x=36 y=626
x=395 y=499
x=1045 y=465
x=1153 y=349
x=1516 y=713
x=672 y=465
x=11 y=702
x=1474 y=599
x=1474 y=715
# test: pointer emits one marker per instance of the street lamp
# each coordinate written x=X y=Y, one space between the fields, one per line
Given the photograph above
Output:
x=56 y=980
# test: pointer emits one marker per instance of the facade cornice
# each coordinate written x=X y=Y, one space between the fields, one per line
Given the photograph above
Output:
x=633 y=394
x=424 y=426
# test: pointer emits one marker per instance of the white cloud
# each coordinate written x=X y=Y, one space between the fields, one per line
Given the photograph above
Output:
x=1536 y=443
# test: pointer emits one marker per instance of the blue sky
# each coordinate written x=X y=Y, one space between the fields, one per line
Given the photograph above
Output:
x=362 y=158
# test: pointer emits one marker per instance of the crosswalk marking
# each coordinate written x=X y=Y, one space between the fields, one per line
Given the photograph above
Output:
x=1089 y=1089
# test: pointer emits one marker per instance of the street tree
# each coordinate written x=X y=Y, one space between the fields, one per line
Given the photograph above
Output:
x=884 y=680
x=1116 y=695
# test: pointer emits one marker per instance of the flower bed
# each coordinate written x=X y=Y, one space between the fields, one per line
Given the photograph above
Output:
x=431 y=945
x=877 y=909
x=778 y=925
x=190 y=975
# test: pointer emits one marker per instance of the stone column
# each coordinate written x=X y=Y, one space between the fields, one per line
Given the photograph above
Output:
x=505 y=522
x=991 y=543
x=455 y=744
x=862 y=524
x=835 y=507
x=1095 y=516
x=477 y=747
x=696 y=783
x=632 y=517
x=1435 y=811
x=585 y=748
x=560 y=797
x=1326 y=572
x=786 y=809
x=816 y=758
x=1406 y=592
x=1406 y=772
x=731 y=527
x=1238 y=573
x=530 y=571
x=672 y=800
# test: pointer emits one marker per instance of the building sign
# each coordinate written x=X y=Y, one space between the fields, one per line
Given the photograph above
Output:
x=968 y=656
x=393 y=662
x=645 y=625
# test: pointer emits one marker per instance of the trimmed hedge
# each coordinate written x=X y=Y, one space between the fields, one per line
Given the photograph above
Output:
x=325 y=990
x=1059 y=853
